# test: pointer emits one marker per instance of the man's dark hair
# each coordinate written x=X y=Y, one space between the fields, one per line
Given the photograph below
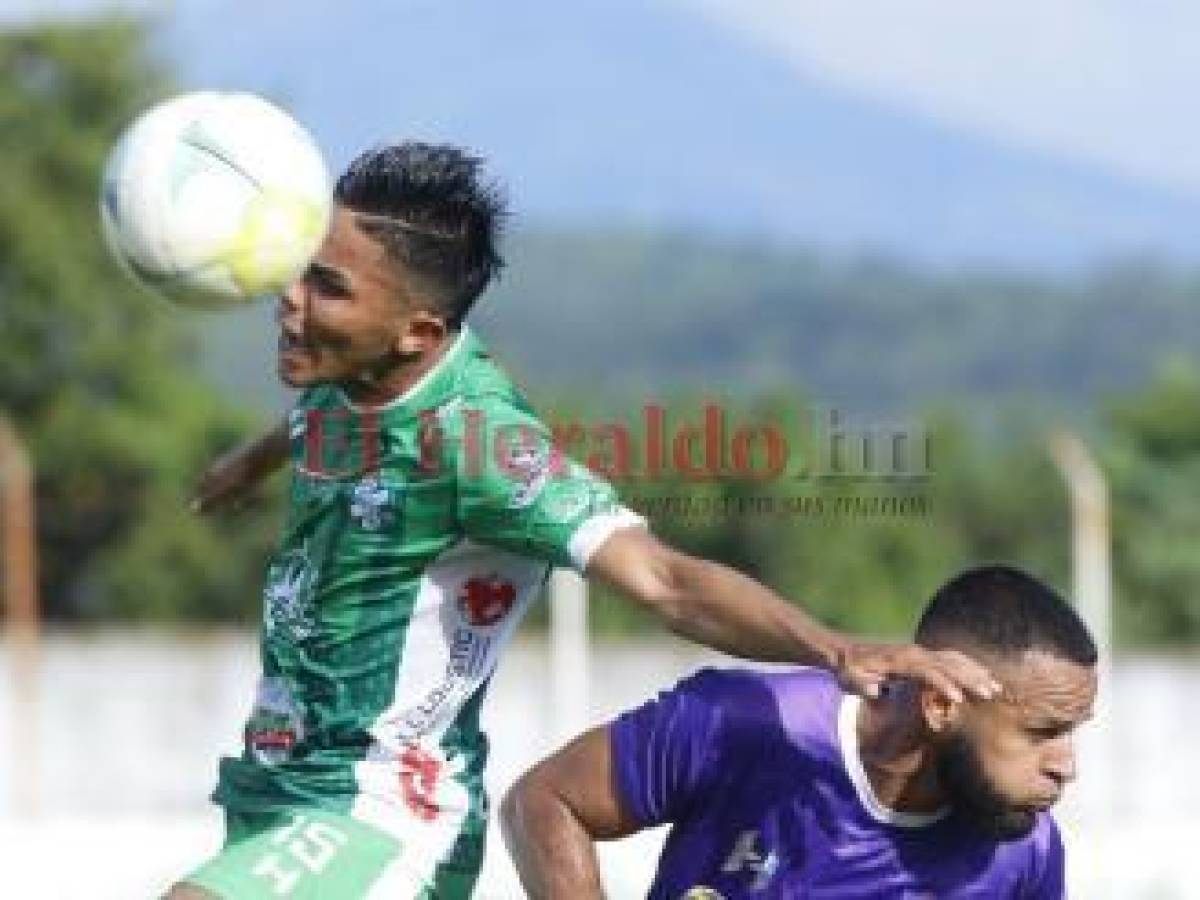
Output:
x=1007 y=611
x=431 y=208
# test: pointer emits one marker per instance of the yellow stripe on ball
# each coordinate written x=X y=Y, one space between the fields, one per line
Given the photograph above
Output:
x=279 y=233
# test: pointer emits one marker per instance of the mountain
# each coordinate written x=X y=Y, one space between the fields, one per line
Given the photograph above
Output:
x=639 y=113
x=641 y=315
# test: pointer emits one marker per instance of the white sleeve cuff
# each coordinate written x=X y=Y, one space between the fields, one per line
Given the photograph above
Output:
x=591 y=535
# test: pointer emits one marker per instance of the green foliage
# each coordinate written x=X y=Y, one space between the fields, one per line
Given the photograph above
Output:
x=866 y=552
x=96 y=374
x=1154 y=462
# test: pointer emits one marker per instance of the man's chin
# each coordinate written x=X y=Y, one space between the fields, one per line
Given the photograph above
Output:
x=1009 y=825
x=295 y=377
x=297 y=372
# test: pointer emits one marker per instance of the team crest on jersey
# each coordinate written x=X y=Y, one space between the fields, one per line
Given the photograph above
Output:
x=289 y=598
x=485 y=601
x=568 y=502
x=530 y=465
x=276 y=724
x=699 y=892
x=371 y=504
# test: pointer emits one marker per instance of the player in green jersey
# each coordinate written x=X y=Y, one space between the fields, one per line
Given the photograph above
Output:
x=427 y=506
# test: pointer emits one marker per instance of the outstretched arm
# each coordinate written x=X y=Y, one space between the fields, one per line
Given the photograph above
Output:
x=715 y=605
x=233 y=475
x=551 y=816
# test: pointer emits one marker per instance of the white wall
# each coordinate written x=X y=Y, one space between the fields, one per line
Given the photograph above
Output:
x=107 y=758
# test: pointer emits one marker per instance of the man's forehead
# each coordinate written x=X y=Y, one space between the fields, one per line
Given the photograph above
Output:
x=1037 y=682
x=352 y=254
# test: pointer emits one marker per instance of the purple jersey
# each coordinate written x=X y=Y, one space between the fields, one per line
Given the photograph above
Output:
x=760 y=775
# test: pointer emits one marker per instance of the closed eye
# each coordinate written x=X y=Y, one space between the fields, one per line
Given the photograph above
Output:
x=326 y=280
x=1047 y=732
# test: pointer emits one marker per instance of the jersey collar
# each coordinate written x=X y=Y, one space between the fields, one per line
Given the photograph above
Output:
x=427 y=384
x=848 y=739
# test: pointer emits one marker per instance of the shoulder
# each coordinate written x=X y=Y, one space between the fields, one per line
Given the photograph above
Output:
x=480 y=379
x=718 y=714
x=726 y=687
x=808 y=701
x=714 y=700
x=761 y=702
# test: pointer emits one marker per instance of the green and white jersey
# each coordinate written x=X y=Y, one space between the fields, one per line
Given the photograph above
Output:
x=417 y=535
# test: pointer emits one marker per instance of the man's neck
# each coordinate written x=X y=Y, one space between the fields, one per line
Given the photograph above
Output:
x=397 y=381
x=897 y=757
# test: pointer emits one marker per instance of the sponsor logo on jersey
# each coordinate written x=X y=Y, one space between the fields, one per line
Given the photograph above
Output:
x=276 y=724
x=747 y=857
x=371 y=504
x=700 y=892
x=297 y=423
x=469 y=659
x=485 y=601
x=419 y=774
x=288 y=598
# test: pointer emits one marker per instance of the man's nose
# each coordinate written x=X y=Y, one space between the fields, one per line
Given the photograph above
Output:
x=290 y=306
x=1059 y=762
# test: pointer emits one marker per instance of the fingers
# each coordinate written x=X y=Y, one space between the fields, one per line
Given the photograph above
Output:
x=968 y=674
x=207 y=497
x=951 y=673
x=869 y=686
x=933 y=676
x=212 y=494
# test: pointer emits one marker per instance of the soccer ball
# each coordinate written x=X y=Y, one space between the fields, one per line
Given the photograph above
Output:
x=213 y=199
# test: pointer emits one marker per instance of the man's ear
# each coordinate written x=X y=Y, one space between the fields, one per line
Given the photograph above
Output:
x=423 y=332
x=939 y=713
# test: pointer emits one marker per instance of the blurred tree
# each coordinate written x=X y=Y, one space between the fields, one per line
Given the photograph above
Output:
x=1154 y=461
x=97 y=374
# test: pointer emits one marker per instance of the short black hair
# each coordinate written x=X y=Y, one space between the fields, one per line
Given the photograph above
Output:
x=1005 y=610
x=433 y=210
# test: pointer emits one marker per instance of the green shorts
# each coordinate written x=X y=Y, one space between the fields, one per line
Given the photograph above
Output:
x=315 y=854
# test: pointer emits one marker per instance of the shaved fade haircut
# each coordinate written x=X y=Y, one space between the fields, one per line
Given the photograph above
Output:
x=433 y=211
x=1006 y=611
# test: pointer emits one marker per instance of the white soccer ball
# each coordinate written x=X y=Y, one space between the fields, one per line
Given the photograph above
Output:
x=213 y=199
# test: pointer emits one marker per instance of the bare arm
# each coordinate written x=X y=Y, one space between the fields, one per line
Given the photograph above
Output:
x=551 y=816
x=233 y=475
x=715 y=605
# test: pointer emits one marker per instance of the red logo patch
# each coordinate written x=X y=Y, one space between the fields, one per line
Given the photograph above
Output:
x=485 y=601
x=418 y=782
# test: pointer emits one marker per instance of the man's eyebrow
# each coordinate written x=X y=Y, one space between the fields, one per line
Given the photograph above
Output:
x=329 y=274
x=1052 y=720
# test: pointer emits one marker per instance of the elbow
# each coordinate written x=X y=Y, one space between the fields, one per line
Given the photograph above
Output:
x=510 y=809
x=518 y=805
x=664 y=590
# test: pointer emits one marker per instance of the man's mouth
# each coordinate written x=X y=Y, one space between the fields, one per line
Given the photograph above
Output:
x=1041 y=804
x=290 y=344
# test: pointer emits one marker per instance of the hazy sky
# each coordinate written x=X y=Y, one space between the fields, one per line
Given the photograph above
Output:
x=1105 y=81
x=1109 y=81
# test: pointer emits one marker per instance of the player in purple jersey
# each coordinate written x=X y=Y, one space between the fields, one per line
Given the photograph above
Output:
x=780 y=784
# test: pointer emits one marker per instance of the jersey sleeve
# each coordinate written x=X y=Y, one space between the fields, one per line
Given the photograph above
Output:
x=517 y=491
x=1048 y=876
x=669 y=754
